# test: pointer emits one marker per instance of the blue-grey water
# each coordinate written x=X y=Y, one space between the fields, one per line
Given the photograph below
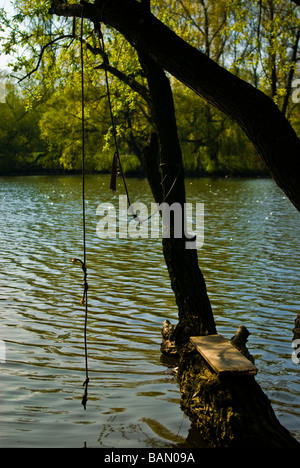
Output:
x=251 y=263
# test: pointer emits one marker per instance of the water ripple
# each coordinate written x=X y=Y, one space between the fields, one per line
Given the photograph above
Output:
x=250 y=260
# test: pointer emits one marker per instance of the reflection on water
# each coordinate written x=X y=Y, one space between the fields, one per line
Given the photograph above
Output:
x=250 y=260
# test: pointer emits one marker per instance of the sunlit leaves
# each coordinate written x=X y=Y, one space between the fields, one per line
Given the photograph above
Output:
x=20 y=143
x=254 y=39
x=264 y=33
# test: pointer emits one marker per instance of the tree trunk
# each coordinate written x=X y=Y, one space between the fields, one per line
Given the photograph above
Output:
x=230 y=411
x=194 y=310
x=257 y=115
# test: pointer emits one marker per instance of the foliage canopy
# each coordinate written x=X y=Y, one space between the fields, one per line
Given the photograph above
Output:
x=256 y=40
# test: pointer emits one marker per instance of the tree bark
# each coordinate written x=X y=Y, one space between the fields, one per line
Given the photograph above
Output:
x=258 y=116
x=230 y=411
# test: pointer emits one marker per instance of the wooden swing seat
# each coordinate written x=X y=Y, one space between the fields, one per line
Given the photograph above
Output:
x=222 y=356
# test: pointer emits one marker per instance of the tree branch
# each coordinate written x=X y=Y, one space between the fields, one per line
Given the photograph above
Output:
x=68 y=36
x=256 y=113
x=131 y=82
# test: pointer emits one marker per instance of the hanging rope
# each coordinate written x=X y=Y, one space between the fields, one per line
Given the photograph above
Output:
x=116 y=164
x=84 y=299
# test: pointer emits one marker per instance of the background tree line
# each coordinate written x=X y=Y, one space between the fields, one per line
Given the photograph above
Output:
x=40 y=127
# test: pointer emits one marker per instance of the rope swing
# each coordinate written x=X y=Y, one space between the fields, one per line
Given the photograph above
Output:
x=116 y=167
x=84 y=299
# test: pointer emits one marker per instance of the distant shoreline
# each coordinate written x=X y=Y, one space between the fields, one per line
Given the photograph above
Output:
x=141 y=175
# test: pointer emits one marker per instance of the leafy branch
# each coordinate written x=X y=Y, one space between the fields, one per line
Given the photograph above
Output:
x=44 y=48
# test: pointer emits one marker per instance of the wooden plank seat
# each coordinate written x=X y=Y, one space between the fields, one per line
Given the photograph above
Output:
x=222 y=356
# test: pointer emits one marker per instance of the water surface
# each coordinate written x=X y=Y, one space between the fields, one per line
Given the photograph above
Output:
x=250 y=260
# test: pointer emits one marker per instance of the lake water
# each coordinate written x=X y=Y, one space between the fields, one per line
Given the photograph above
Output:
x=251 y=263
